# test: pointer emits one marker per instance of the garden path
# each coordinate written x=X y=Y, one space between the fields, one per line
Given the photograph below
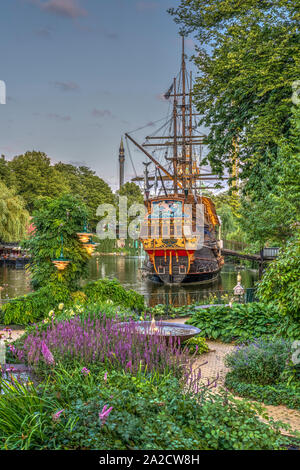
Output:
x=215 y=366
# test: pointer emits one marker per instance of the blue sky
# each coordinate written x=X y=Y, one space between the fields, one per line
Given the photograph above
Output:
x=80 y=73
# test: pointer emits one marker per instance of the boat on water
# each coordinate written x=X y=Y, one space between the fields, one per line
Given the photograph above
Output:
x=181 y=230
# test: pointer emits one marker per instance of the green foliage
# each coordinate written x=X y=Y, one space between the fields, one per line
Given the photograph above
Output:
x=86 y=185
x=54 y=218
x=261 y=362
x=279 y=394
x=24 y=415
x=36 y=178
x=248 y=59
x=133 y=193
x=280 y=283
x=197 y=344
x=106 y=289
x=241 y=322
x=245 y=76
x=97 y=298
x=33 y=177
x=272 y=213
x=14 y=218
x=34 y=306
x=143 y=416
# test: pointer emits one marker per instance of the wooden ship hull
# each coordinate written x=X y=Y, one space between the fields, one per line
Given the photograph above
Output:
x=184 y=259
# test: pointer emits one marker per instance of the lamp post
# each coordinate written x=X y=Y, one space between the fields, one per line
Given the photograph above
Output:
x=238 y=289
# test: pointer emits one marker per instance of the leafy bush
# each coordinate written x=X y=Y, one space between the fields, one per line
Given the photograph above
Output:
x=106 y=289
x=34 y=306
x=98 y=297
x=280 y=282
x=241 y=322
x=197 y=345
x=261 y=362
x=145 y=412
x=279 y=394
x=54 y=218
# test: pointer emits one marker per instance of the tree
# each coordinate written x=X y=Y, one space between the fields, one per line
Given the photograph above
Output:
x=248 y=58
x=35 y=178
x=55 y=218
x=14 y=218
x=133 y=193
x=272 y=215
x=91 y=188
x=280 y=283
x=6 y=173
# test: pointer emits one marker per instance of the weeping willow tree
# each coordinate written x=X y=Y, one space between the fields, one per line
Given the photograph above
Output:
x=14 y=218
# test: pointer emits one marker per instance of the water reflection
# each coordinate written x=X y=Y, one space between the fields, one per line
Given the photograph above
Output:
x=128 y=271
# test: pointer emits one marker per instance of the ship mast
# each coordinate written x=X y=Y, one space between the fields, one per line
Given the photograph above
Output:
x=183 y=107
x=175 y=138
x=183 y=179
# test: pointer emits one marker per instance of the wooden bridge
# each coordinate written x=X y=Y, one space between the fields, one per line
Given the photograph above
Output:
x=265 y=255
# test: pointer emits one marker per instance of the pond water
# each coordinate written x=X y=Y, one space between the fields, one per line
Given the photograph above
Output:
x=128 y=271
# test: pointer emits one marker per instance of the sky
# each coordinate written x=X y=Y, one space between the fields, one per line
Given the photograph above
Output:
x=80 y=73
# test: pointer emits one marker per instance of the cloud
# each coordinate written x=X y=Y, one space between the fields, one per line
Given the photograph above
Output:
x=58 y=117
x=146 y=6
x=43 y=32
x=64 y=8
x=67 y=86
x=101 y=113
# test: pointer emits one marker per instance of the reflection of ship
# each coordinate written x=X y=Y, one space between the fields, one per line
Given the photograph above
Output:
x=177 y=251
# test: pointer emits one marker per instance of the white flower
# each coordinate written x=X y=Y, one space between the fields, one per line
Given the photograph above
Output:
x=51 y=313
x=61 y=306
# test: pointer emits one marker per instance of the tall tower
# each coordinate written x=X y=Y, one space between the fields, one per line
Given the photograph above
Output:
x=121 y=163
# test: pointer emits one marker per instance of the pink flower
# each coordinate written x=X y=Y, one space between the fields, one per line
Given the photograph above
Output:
x=105 y=377
x=56 y=416
x=104 y=414
x=85 y=371
x=48 y=356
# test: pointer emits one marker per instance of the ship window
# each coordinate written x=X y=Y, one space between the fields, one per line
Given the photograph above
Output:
x=182 y=269
x=166 y=209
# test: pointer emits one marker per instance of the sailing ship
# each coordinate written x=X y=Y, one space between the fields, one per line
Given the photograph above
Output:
x=178 y=252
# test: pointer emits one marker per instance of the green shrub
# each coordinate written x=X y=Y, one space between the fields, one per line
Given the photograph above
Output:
x=151 y=412
x=105 y=294
x=280 y=282
x=106 y=289
x=261 y=362
x=241 y=322
x=34 y=306
x=197 y=344
x=277 y=394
